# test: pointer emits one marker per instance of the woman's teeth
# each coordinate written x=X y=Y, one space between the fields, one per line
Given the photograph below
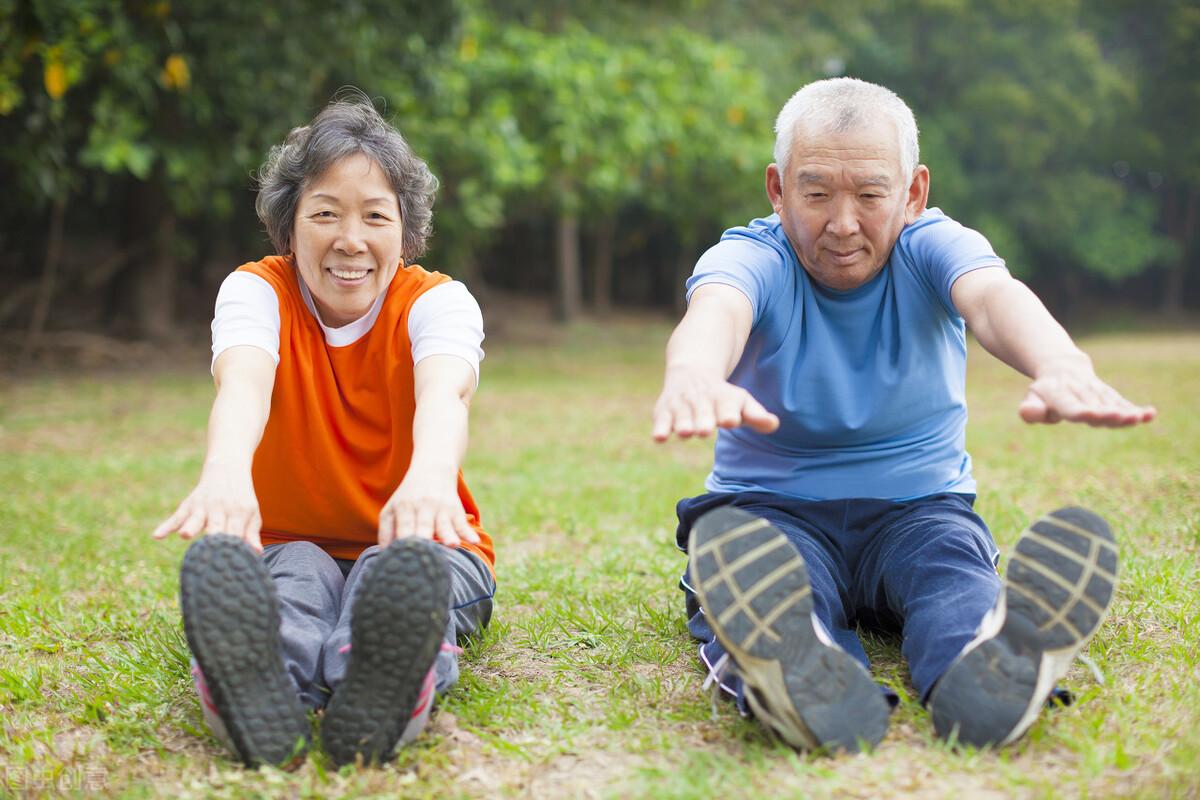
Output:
x=348 y=275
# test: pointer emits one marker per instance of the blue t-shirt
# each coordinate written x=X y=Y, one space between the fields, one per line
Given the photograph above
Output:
x=868 y=384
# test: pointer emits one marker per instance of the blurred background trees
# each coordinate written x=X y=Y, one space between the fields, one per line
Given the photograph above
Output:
x=588 y=152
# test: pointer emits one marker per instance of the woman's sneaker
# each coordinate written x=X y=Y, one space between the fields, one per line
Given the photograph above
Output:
x=753 y=587
x=397 y=623
x=231 y=619
x=1058 y=589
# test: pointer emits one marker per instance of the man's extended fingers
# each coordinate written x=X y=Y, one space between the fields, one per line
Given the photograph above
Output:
x=757 y=416
x=254 y=532
x=703 y=415
x=662 y=424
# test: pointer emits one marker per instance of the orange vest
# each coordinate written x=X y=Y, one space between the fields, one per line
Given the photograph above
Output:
x=339 y=437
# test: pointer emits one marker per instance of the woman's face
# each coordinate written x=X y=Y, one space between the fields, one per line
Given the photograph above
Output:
x=347 y=238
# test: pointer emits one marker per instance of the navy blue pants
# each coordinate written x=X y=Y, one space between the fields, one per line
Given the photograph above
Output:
x=923 y=568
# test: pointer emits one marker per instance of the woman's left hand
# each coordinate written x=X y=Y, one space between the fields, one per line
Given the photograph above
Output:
x=425 y=508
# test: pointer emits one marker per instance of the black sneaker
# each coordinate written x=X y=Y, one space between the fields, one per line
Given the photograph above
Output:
x=753 y=586
x=1057 y=591
x=397 y=623
x=231 y=618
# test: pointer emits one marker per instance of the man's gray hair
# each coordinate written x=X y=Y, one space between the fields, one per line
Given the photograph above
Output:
x=350 y=124
x=837 y=105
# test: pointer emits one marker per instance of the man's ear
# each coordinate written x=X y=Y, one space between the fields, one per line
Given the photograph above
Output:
x=775 y=187
x=918 y=195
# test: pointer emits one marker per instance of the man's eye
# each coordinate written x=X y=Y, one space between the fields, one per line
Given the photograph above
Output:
x=815 y=195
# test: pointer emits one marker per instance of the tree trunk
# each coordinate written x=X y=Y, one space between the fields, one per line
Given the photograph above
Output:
x=154 y=291
x=570 y=284
x=602 y=276
x=1181 y=226
x=45 y=290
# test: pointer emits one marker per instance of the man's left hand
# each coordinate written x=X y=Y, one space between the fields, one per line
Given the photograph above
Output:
x=1075 y=394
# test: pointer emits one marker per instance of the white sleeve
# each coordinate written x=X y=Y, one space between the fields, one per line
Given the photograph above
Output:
x=247 y=312
x=446 y=321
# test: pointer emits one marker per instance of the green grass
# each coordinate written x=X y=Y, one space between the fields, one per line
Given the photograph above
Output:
x=586 y=683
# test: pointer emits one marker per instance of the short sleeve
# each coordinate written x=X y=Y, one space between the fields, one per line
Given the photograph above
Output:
x=747 y=264
x=944 y=250
x=246 y=313
x=447 y=321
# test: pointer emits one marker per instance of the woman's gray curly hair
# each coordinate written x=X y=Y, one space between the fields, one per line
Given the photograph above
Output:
x=349 y=124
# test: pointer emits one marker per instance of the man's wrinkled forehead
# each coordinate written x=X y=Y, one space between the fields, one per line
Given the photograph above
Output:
x=870 y=149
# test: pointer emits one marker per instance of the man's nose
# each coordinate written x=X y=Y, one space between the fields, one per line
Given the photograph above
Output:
x=843 y=218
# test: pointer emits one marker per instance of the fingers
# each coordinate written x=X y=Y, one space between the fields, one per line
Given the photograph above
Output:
x=253 y=533
x=1088 y=401
x=387 y=526
x=170 y=524
x=758 y=418
x=699 y=412
x=444 y=529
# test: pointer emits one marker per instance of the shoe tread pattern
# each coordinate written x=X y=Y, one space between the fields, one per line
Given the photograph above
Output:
x=231 y=620
x=399 y=616
x=754 y=587
x=1059 y=585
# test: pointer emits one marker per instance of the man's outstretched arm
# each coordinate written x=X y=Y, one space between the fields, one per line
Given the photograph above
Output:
x=702 y=352
x=1013 y=325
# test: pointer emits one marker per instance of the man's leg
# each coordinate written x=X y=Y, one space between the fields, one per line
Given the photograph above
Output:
x=932 y=565
x=779 y=610
x=379 y=660
x=231 y=616
x=981 y=669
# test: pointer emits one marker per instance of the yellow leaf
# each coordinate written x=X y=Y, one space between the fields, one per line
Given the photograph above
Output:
x=175 y=73
x=735 y=114
x=112 y=57
x=468 y=48
x=55 y=79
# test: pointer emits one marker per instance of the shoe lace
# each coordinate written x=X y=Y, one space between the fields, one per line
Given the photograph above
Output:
x=713 y=681
x=1096 y=673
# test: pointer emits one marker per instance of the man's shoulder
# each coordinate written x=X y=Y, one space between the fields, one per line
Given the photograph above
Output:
x=766 y=232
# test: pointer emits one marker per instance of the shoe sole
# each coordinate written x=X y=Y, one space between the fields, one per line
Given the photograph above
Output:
x=1058 y=589
x=754 y=589
x=397 y=623
x=231 y=619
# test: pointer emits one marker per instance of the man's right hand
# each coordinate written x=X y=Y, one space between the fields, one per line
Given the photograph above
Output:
x=220 y=503
x=694 y=404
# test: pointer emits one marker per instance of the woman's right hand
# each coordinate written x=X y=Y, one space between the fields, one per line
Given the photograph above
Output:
x=220 y=503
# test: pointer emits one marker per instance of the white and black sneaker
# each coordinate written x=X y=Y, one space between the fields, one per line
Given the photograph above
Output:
x=1057 y=591
x=754 y=589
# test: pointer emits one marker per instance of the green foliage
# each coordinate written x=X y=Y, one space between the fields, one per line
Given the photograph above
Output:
x=1064 y=131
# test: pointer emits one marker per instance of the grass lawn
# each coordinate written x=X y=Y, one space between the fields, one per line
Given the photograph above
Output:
x=586 y=684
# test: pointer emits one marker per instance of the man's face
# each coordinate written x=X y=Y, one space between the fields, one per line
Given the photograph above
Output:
x=844 y=201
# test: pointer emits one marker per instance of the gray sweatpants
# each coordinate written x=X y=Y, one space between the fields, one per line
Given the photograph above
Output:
x=316 y=594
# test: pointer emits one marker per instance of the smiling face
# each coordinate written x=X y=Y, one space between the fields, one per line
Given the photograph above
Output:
x=844 y=201
x=348 y=238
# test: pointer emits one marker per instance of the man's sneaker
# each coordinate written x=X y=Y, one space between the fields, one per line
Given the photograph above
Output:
x=1058 y=589
x=397 y=623
x=753 y=586
x=231 y=619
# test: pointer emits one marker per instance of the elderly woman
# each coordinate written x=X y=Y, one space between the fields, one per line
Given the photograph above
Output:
x=352 y=557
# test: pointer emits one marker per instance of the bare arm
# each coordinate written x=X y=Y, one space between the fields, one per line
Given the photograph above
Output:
x=1013 y=325
x=702 y=352
x=223 y=500
x=426 y=503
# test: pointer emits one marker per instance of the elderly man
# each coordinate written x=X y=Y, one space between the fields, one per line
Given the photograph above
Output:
x=827 y=344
